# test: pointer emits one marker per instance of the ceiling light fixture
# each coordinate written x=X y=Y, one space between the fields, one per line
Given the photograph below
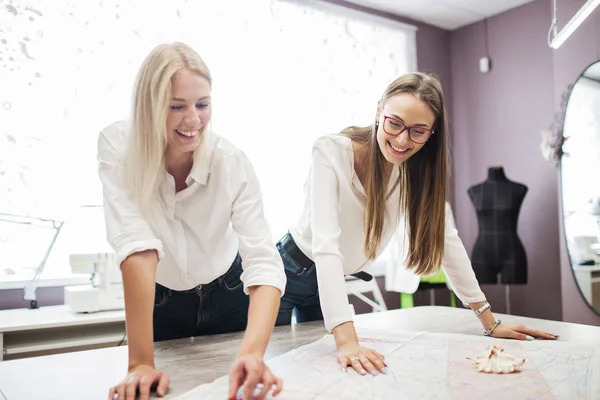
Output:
x=556 y=39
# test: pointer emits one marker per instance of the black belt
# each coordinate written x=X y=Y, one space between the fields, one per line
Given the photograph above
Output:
x=291 y=248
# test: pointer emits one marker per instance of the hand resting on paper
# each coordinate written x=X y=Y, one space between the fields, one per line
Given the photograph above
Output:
x=520 y=332
x=495 y=328
x=351 y=353
x=362 y=359
x=249 y=371
x=143 y=378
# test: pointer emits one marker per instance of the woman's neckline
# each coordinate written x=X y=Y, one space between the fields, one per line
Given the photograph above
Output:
x=394 y=174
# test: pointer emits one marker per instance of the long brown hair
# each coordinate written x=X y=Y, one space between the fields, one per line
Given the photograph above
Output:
x=423 y=180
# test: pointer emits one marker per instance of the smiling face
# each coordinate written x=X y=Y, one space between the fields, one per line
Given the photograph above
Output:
x=408 y=110
x=189 y=113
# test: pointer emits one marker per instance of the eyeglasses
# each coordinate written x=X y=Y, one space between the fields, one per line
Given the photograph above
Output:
x=395 y=127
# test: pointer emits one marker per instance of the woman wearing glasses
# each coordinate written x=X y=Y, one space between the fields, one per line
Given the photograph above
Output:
x=180 y=203
x=361 y=181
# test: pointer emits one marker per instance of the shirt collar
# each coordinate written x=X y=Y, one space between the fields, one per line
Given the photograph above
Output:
x=203 y=158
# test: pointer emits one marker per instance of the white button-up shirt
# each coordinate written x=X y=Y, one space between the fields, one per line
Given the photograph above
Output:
x=331 y=231
x=203 y=226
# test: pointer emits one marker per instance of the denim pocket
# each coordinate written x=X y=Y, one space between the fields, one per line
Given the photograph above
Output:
x=231 y=280
x=292 y=266
x=160 y=295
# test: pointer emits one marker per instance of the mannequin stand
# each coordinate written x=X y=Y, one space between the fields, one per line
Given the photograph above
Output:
x=506 y=296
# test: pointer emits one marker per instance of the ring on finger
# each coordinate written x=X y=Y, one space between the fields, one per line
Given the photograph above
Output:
x=352 y=359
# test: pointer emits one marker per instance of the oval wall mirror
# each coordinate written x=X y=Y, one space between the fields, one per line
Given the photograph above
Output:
x=580 y=183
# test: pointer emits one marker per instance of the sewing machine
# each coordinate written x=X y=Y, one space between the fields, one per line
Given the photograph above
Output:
x=105 y=292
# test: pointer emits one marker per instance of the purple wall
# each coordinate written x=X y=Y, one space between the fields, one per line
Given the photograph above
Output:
x=580 y=50
x=497 y=120
x=498 y=117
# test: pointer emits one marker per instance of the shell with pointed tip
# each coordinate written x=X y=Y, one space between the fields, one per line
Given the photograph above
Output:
x=496 y=361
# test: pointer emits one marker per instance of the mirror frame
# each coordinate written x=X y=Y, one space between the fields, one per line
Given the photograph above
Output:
x=558 y=130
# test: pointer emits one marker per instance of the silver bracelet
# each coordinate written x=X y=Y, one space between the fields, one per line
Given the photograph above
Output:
x=489 y=331
x=482 y=308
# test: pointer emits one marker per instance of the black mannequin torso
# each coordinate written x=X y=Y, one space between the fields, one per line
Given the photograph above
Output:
x=498 y=249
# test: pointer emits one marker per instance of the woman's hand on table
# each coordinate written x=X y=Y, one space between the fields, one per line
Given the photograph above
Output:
x=362 y=359
x=143 y=378
x=520 y=332
x=250 y=373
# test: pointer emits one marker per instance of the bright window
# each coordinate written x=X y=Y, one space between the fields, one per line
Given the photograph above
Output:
x=285 y=73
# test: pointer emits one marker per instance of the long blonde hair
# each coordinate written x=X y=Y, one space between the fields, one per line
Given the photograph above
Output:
x=423 y=180
x=144 y=160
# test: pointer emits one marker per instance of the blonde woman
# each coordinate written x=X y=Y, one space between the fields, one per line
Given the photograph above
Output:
x=180 y=202
x=361 y=182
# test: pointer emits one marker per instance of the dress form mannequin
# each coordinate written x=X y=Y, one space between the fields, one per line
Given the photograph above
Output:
x=498 y=249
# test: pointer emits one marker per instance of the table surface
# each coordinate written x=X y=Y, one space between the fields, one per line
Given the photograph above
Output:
x=53 y=317
x=194 y=361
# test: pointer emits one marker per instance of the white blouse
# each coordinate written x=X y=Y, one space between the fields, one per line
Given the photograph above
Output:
x=331 y=232
x=204 y=226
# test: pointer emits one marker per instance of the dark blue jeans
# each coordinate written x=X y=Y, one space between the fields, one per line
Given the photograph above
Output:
x=218 y=307
x=301 y=292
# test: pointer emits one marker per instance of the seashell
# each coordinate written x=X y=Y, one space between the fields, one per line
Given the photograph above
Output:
x=496 y=361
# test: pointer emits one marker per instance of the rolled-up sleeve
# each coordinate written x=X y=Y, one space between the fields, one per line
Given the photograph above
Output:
x=457 y=265
x=325 y=241
x=261 y=261
x=127 y=231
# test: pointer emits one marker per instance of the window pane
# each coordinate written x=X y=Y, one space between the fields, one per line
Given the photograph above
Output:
x=67 y=68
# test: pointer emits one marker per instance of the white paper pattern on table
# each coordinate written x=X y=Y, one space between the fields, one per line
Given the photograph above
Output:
x=431 y=366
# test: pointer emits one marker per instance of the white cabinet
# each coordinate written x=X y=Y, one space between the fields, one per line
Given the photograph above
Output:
x=588 y=279
x=56 y=329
